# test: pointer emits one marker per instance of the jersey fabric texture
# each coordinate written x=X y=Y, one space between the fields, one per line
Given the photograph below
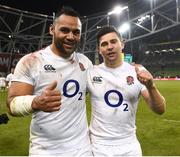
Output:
x=114 y=99
x=64 y=130
x=131 y=148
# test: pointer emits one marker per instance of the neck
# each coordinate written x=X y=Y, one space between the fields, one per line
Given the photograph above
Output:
x=113 y=64
x=59 y=53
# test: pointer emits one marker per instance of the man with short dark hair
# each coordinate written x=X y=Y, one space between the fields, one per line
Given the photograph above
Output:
x=115 y=87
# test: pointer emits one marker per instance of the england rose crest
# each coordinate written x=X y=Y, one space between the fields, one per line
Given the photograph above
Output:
x=130 y=80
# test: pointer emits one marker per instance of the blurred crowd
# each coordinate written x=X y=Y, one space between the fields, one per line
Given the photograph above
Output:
x=5 y=82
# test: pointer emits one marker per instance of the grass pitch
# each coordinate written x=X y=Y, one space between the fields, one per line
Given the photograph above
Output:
x=159 y=135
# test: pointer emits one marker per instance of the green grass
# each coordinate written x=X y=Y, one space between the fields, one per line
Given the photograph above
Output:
x=14 y=136
x=159 y=135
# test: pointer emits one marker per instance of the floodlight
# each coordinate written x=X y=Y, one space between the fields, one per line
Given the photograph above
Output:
x=147 y=52
x=164 y=50
x=178 y=49
x=143 y=18
x=124 y=28
x=117 y=10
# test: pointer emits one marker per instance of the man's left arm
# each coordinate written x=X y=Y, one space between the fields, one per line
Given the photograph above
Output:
x=152 y=95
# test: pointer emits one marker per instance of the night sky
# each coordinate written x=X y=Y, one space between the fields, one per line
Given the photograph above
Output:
x=84 y=7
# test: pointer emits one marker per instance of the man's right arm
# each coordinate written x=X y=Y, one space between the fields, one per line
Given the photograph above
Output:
x=18 y=89
x=21 y=102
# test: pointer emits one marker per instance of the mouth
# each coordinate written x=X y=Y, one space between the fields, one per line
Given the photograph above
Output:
x=111 y=54
x=69 y=45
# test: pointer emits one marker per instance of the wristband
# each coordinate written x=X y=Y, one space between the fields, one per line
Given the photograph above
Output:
x=21 y=105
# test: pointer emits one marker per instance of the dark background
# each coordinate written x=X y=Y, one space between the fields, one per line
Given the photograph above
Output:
x=84 y=7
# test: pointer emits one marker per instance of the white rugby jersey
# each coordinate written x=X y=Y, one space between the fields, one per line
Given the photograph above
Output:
x=64 y=130
x=114 y=99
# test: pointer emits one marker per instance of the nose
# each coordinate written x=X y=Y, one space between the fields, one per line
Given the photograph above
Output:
x=109 y=46
x=70 y=36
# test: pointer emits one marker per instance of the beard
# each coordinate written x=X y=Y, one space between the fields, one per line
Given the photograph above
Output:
x=64 y=52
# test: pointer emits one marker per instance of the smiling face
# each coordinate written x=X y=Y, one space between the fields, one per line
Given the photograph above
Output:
x=110 y=47
x=66 y=32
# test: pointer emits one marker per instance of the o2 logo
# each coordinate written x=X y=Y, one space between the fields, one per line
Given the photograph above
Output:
x=77 y=86
x=120 y=99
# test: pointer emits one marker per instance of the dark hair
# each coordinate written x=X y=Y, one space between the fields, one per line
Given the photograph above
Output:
x=67 y=11
x=105 y=30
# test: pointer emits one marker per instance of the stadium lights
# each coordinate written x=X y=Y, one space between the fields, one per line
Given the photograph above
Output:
x=171 y=50
x=178 y=49
x=157 y=51
x=117 y=10
x=143 y=18
x=124 y=28
x=164 y=50
x=147 y=52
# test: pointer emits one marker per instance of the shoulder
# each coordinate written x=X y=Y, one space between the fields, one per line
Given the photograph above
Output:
x=28 y=62
x=84 y=60
x=36 y=54
x=95 y=69
x=128 y=65
x=31 y=56
x=82 y=56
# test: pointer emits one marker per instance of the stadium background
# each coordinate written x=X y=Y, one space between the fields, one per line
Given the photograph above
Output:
x=153 y=40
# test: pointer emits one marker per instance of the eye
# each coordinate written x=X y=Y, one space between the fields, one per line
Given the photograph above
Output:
x=113 y=41
x=65 y=30
x=104 y=44
x=76 y=32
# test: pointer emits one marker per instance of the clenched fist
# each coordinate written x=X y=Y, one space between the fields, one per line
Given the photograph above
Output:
x=144 y=76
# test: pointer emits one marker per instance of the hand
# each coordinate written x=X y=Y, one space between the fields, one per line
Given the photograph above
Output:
x=144 y=76
x=49 y=100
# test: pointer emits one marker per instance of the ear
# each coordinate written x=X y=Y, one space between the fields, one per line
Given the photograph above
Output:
x=122 y=44
x=98 y=50
x=51 y=29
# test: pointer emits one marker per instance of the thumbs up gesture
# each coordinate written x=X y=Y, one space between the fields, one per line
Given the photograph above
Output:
x=49 y=100
x=144 y=76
